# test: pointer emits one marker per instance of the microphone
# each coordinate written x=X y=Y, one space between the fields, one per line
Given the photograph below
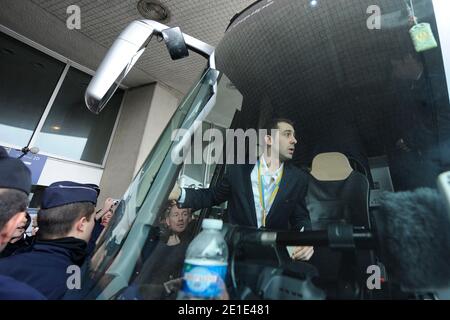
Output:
x=34 y=150
x=413 y=236
x=25 y=150
x=411 y=233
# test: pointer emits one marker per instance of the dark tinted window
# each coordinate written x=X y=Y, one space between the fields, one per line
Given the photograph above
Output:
x=27 y=81
x=71 y=130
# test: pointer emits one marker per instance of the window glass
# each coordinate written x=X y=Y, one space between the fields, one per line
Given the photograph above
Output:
x=140 y=198
x=27 y=80
x=366 y=93
x=158 y=270
x=71 y=130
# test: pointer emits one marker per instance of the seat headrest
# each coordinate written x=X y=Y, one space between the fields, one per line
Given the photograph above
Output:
x=331 y=166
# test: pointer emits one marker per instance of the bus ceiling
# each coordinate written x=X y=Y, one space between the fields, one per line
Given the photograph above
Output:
x=343 y=81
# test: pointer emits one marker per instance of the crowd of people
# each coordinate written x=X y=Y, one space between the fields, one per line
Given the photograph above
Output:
x=67 y=226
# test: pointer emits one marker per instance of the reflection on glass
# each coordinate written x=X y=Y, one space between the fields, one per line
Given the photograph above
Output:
x=135 y=197
x=193 y=171
x=27 y=81
x=160 y=265
x=71 y=130
x=190 y=109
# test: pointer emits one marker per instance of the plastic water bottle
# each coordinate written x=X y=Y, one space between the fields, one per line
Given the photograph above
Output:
x=205 y=265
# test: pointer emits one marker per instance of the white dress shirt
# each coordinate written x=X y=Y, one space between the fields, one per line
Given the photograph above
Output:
x=268 y=180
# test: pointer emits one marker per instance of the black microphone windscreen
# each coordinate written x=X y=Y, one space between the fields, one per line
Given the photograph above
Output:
x=413 y=231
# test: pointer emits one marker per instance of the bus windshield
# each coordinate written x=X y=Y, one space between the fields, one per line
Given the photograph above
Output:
x=364 y=85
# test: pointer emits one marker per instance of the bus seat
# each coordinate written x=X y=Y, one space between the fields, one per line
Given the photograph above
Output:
x=337 y=194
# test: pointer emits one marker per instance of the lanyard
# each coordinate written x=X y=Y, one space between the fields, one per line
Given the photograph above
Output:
x=261 y=193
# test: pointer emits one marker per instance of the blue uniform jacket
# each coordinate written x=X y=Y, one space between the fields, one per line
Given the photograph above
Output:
x=11 y=289
x=96 y=232
x=43 y=268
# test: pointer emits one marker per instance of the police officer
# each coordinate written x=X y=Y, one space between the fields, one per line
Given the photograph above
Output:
x=66 y=220
x=15 y=185
x=20 y=241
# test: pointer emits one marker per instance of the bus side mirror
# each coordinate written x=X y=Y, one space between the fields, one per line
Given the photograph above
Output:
x=173 y=37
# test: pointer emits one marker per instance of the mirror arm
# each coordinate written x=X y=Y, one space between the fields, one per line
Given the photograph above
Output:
x=192 y=43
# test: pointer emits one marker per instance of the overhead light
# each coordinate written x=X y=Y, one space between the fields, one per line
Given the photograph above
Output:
x=313 y=3
x=56 y=128
x=153 y=10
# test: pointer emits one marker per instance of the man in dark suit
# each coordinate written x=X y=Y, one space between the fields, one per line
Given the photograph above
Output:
x=269 y=194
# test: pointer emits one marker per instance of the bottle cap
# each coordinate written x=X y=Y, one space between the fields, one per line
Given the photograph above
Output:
x=212 y=224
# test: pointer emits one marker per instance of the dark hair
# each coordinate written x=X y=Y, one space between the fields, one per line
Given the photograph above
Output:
x=169 y=207
x=57 y=222
x=272 y=123
x=12 y=202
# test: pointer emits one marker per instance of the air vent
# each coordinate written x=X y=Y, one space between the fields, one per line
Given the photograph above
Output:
x=153 y=10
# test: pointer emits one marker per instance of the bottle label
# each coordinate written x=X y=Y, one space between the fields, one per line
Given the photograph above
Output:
x=204 y=281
